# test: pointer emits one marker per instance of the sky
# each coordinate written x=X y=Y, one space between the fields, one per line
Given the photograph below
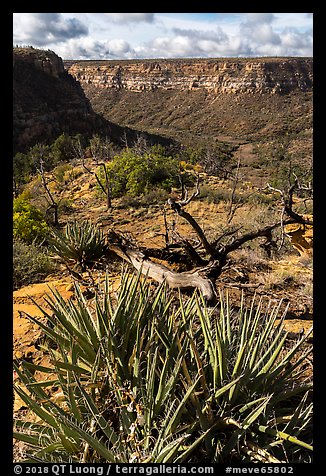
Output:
x=166 y=35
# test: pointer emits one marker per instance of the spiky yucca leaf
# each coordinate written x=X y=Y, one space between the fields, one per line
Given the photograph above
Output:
x=82 y=243
x=147 y=378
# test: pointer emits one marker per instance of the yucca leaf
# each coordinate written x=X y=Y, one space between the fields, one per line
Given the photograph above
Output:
x=187 y=451
x=166 y=388
x=69 y=445
x=218 y=393
x=175 y=418
x=272 y=358
x=33 y=440
x=39 y=368
x=238 y=433
x=284 y=436
x=78 y=369
x=250 y=404
x=167 y=455
x=48 y=331
x=36 y=408
x=27 y=379
x=72 y=330
x=42 y=383
x=96 y=413
x=95 y=443
x=32 y=427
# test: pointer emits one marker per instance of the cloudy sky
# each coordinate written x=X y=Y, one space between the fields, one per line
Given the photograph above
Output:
x=165 y=35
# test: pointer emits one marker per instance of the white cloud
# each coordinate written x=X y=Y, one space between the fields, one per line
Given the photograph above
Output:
x=259 y=18
x=217 y=35
x=190 y=43
x=166 y=35
x=86 y=48
x=43 y=28
x=260 y=33
x=131 y=17
x=295 y=42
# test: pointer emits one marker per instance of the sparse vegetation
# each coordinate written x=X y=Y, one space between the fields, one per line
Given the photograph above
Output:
x=59 y=153
x=131 y=371
x=31 y=263
x=134 y=174
x=28 y=221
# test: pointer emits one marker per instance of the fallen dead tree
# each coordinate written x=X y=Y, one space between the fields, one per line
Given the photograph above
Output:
x=207 y=266
x=185 y=280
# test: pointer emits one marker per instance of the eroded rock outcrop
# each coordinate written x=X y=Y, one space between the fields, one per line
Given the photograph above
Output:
x=250 y=76
x=301 y=237
x=47 y=100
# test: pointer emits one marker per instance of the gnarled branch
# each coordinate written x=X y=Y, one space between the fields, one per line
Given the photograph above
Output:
x=160 y=273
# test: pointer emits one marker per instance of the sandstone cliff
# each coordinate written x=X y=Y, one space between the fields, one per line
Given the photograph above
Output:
x=250 y=76
x=48 y=101
x=205 y=101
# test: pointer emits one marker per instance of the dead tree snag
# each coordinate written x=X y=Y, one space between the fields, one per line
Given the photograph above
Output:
x=205 y=269
x=194 y=279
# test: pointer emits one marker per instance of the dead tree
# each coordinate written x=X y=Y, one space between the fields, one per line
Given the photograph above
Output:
x=101 y=153
x=210 y=261
x=53 y=205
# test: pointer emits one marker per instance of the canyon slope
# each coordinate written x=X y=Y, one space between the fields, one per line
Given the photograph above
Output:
x=48 y=101
x=262 y=101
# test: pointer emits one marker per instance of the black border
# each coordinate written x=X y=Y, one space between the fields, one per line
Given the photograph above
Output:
x=6 y=215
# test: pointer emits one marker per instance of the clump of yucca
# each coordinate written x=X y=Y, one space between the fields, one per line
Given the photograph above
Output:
x=146 y=378
x=83 y=244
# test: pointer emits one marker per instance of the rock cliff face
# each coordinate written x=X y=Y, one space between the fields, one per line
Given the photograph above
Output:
x=249 y=76
x=47 y=100
x=204 y=101
x=46 y=61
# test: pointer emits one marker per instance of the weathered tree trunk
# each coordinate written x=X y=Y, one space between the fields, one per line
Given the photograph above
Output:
x=204 y=276
x=158 y=272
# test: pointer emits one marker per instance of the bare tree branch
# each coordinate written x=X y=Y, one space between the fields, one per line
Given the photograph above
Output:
x=184 y=201
x=194 y=256
x=53 y=205
x=177 y=207
x=160 y=273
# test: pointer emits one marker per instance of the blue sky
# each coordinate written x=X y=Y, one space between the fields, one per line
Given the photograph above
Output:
x=166 y=35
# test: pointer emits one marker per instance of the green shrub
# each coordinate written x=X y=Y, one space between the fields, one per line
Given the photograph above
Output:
x=214 y=195
x=82 y=243
x=31 y=264
x=60 y=172
x=134 y=174
x=149 y=379
x=28 y=221
x=261 y=198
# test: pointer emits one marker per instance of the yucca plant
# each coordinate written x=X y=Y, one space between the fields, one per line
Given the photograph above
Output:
x=145 y=377
x=83 y=244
